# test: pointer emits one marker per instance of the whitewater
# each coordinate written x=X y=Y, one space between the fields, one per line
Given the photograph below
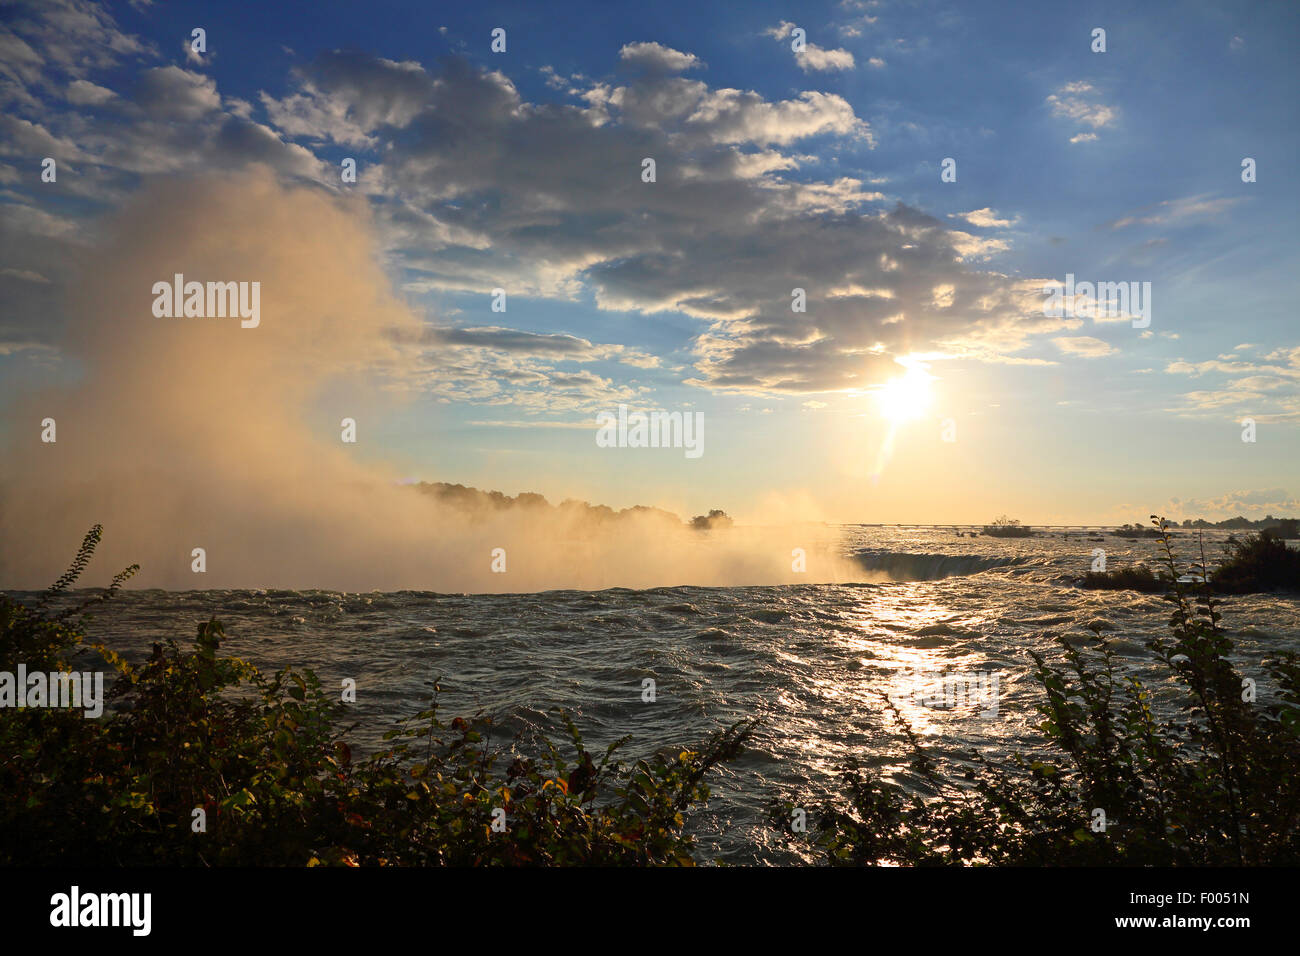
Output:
x=814 y=661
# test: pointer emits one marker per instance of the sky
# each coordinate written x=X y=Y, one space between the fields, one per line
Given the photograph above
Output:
x=795 y=146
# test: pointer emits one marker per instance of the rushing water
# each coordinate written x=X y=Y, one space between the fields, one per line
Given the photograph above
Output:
x=812 y=660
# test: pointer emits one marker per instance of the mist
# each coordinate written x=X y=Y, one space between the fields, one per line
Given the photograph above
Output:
x=200 y=432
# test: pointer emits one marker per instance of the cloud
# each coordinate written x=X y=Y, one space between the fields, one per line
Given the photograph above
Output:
x=170 y=119
x=1080 y=102
x=533 y=423
x=13 y=348
x=193 y=56
x=813 y=57
x=1266 y=389
x=721 y=237
x=19 y=63
x=656 y=56
x=1174 y=211
x=533 y=343
x=1253 y=504
x=74 y=37
x=1084 y=346
x=27 y=275
x=984 y=218
x=736 y=116
x=500 y=366
x=171 y=93
x=85 y=93
x=474 y=188
x=24 y=138
x=344 y=97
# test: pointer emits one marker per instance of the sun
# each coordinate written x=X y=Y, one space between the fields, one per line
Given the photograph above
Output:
x=905 y=398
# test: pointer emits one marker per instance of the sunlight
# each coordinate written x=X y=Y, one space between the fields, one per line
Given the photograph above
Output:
x=905 y=398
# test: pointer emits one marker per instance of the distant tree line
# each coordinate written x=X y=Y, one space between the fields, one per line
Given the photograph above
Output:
x=473 y=500
x=465 y=498
x=1282 y=527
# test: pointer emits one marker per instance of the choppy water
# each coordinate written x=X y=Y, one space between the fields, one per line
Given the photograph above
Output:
x=812 y=660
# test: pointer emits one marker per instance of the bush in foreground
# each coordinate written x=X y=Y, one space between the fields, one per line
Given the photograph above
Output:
x=265 y=761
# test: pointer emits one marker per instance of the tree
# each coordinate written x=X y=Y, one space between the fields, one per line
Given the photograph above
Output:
x=717 y=518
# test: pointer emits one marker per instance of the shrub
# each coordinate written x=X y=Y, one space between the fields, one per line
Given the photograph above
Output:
x=1135 y=531
x=1287 y=528
x=1004 y=527
x=1262 y=562
x=1134 y=577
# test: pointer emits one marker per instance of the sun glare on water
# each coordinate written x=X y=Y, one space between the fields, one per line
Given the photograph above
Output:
x=905 y=398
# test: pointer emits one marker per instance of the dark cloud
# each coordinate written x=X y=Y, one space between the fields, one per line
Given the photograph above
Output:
x=171 y=93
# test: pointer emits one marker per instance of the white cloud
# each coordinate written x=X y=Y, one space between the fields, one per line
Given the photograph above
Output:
x=1080 y=102
x=85 y=93
x=734 y=116
x=813 y=57
x=1267 y=390
x=1084 y=346
x=1254 y=504
x=985 y=218
x=1176 y=210
x=656 y=56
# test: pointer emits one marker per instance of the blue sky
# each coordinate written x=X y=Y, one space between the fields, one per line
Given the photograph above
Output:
x=775 y=170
